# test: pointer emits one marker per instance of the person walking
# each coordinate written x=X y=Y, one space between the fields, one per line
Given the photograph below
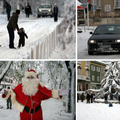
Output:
x=28 y=10
x=55 y=13
x=106 y=96
x=88 y=98
x=82 y=97
x=8 y=10
x=9 y=102
x=22 y=35
x=11 y=27
x=91 y=98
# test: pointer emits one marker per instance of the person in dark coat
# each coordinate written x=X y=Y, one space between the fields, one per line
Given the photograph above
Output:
x=11 y=27
x=9 y=102
x=91 y=98
x=82 y=97
x=111 y=96
x=28 y=10
x=55 y=13
x=88 y=98
x=22 y=35
x=8 y=10
x=106 y=97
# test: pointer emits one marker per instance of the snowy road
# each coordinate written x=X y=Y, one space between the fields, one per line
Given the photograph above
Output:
x=51 y=109
x=35 y=28
x=82 y=52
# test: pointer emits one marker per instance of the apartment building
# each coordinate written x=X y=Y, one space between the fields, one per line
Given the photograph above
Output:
x=101 y=16
x=83 y=75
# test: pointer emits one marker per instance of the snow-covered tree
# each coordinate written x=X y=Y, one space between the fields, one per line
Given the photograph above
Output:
x=111 y=82
x=4 y=67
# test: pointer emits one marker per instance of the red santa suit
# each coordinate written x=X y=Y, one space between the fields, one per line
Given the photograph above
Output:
x=30 y=106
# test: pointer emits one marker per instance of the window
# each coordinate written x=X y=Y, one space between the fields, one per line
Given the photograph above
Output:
x=87 y=63
x=79 y=62
x=93 y=78
x=97 y=3
x=87 y=72
x=92 y=67
x=79 y=71
x=98 y=78
x=98 y=69
x=117 y=4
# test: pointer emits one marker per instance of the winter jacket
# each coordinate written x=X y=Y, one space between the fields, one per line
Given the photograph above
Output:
x=8 y=8
x=88 y=97
x=82 y=97
x=28 y=9
x=56 y=10
x=13 y=21
x=22 y=34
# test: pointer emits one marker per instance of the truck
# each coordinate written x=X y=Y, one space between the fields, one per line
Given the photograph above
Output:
x=45 y=10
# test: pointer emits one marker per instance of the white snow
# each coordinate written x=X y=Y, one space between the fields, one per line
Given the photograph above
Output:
x=35 y=28
x=51 y=110
x=82 y=51
x=97 y=111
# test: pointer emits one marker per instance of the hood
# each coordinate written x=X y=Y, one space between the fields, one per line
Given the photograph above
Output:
x=105 y=37
x=14 y=14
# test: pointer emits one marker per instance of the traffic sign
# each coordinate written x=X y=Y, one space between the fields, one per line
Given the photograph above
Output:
x=88 y=0
x=107 y=8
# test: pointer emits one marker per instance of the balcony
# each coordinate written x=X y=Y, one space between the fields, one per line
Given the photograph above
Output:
x=84 y=78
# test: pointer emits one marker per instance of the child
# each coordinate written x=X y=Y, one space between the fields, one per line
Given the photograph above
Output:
x=22 y=35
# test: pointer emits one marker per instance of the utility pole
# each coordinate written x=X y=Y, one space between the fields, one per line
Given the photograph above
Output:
x=88 y=14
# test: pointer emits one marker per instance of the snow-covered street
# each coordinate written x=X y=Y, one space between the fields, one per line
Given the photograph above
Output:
x=97 y=111
x=51 y=110
x=35 y=28
x=82 y=52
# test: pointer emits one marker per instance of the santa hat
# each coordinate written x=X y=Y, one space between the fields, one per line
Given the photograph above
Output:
x=31 y=72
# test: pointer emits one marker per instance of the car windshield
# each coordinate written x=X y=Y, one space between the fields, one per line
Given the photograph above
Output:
x=108 y=29
x=45 y=6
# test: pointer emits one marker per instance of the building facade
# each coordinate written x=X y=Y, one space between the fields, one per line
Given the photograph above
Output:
x=97 y=72
x=100 y=15
x=83 y=75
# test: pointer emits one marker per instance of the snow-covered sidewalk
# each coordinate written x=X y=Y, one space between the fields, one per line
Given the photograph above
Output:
x=97 y=111
x=51 y=110
x=35 y=28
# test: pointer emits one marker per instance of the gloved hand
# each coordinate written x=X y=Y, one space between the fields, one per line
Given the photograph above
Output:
x=63 y=92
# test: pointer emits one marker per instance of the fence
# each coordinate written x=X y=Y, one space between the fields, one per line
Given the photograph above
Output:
x=43 y=47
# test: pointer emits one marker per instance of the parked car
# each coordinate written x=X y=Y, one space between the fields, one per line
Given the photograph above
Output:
x=106 y=38
x=45 y=10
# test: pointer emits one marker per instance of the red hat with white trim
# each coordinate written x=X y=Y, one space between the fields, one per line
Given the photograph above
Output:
x=31 y=72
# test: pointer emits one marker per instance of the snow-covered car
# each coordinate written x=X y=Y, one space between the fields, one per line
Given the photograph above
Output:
x=45 y=10
x=106 y=38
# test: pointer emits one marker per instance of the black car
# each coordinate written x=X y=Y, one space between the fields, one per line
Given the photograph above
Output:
x=106 y=38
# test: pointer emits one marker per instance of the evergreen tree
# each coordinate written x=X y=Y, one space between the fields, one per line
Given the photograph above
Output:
x=111 y=82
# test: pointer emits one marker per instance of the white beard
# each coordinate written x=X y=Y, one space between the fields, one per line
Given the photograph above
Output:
x=30 y=86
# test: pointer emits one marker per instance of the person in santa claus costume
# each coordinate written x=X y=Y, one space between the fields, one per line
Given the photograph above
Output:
x=27 y=96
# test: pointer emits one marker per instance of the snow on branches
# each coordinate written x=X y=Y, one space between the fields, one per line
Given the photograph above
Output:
x=111 y=82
